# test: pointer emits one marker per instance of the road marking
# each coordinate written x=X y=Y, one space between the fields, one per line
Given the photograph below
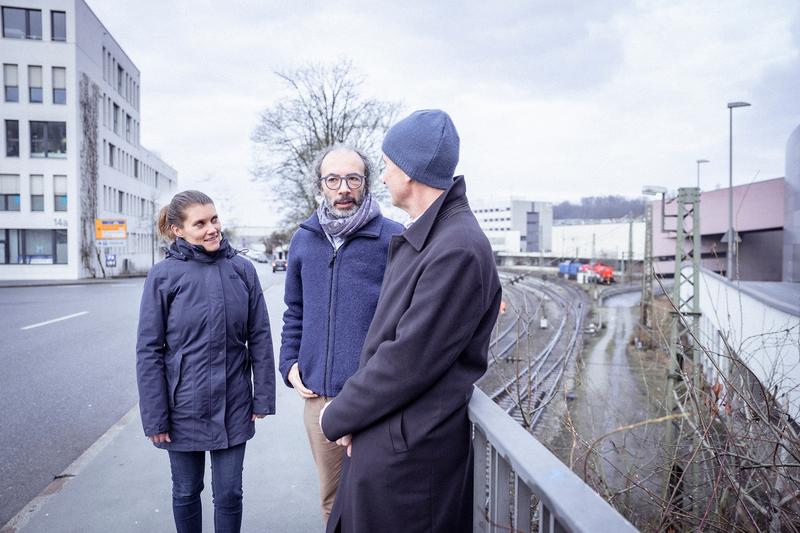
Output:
x=55 y=320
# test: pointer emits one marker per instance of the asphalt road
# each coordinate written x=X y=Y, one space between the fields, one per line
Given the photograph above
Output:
x=64 y=383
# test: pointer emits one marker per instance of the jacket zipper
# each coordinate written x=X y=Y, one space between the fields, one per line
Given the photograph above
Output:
x=330 y=322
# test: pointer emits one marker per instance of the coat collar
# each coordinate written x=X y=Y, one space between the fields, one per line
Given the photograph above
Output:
x=453 y=200
x=180 y=249
x=371 y=229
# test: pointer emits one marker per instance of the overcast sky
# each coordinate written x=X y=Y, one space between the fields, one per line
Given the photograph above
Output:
x=553 y=100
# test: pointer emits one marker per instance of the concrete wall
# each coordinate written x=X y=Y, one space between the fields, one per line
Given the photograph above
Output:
x=759 y=256
x=765 y=338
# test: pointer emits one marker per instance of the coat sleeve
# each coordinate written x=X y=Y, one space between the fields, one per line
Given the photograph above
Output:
x=151 y=376
x=259 y=344
x=432 y=332
x=293 y=317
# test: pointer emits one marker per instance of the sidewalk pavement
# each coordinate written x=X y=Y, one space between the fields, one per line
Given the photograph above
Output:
x=122 y=483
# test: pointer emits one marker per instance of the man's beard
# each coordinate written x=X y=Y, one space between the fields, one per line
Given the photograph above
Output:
x=336 y=212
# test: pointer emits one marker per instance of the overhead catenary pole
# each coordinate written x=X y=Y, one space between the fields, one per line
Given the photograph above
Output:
x=630 y=247
x=684 y=328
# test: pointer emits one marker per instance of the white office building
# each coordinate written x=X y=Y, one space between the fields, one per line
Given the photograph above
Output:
x=516 y=225
x=599 y=239
x=71 y=157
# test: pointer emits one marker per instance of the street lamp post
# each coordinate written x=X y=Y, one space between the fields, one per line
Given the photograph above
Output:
x=731 y=233
x=700 y=162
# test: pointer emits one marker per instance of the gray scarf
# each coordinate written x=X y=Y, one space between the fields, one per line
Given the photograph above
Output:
x=344 y=227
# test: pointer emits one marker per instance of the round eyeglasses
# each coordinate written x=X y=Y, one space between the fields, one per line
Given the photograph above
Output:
x=333 y=181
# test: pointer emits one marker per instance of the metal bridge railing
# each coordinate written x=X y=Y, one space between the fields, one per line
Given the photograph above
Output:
x=513 y=470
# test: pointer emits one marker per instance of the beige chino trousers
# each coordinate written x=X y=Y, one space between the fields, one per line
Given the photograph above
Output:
x=327 y=455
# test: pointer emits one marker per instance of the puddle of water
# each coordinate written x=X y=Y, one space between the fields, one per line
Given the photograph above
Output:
x=610 y=393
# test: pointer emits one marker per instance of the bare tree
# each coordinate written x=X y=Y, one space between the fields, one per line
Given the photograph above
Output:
x=325 y=107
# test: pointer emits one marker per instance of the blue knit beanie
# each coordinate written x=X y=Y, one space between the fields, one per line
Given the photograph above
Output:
x=425 y=145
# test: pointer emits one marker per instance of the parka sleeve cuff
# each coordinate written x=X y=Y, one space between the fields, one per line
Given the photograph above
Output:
x=156 y=429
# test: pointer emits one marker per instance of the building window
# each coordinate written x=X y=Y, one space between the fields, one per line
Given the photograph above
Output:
x=58 y=25
x=111 y=155
x=33 y=246
x=48 y=139
x=59 y=193
x=9 y=192
x=11 y=81
x=12 y=138
x=34 y=84
x=59 y=85
x=115 y=114
x=120 y=79
x=37 y=193
x=22 y=23
x=127 y=127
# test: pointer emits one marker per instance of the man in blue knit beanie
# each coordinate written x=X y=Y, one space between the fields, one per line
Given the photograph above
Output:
x=403 y=414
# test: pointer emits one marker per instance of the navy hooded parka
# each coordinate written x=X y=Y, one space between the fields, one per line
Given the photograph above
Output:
x=204 y=356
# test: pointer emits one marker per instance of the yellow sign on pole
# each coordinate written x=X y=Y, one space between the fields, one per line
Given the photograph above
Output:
x=110 y=229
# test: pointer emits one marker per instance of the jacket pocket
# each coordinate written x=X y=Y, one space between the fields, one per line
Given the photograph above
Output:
x=174 y=376
x=396 y=433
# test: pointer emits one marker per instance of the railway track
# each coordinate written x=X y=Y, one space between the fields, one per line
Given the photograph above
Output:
x=527 y=391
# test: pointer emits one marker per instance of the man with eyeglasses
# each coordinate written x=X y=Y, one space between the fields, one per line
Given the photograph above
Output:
x=403 y=415
x=336 y=262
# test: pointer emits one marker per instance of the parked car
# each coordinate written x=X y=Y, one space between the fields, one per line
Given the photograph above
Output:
x=278 y=264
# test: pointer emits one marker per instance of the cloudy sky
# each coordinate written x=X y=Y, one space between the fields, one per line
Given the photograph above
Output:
x=553 y=100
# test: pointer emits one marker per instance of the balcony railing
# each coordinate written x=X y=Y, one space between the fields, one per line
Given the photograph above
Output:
x=514 y=472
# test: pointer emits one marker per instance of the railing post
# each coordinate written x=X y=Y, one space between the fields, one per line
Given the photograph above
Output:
x=522 y=506
x=501 y=503
x=479 y=480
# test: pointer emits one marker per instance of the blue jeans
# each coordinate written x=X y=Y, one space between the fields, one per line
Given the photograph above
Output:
x=188 y=469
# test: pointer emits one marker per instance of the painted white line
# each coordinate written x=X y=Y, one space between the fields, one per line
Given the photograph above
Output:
x=55 y=320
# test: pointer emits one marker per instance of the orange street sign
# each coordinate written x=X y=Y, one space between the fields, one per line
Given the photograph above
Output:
x=110 y=229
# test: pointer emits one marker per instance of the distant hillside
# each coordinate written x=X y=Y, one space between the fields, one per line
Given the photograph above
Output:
x=597 y=207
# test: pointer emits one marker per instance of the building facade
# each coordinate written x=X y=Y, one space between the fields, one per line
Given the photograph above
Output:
x=758 y=209
x=516 y=225
x=70 y=114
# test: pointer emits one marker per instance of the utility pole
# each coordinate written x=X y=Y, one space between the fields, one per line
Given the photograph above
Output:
x=684 y=328
x=647 y=268
x=594 y=254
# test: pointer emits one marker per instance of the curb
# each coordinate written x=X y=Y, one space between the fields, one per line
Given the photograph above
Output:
x=62 y=480
x=13 y=284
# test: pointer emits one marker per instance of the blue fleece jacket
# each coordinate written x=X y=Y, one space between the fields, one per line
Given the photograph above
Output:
x=330 y=298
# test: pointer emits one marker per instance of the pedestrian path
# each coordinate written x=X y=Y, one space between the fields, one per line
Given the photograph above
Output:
x=122 y=483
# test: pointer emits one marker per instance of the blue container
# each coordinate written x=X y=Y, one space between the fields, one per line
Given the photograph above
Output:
x=563 y=268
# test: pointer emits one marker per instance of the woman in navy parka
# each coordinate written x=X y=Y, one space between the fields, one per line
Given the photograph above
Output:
x=204 y=361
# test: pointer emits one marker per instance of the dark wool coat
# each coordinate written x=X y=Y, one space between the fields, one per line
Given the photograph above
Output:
x=330 y=298
x=204 y=361
x=406 y=406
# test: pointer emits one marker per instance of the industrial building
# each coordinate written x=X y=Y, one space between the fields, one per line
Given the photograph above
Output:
x=516 y=225
x=606 y=240
x=758 y=221
x=78 y=192
x=752 y=316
